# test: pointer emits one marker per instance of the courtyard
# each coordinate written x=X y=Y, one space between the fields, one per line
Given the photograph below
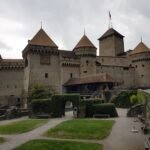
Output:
x=50 y=133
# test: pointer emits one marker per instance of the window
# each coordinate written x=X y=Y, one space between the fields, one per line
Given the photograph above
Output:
x=71 y=75
x=46 y=75
x=84 y=71
x=142 y=75
x=142 y=65
x=45 y=59
x=87 y=62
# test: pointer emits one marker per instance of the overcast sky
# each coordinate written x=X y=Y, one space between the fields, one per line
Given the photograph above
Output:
x=65 y=20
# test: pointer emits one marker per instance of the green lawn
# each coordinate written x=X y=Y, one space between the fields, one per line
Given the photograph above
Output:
x=58 y=145
x=82 y=129
x=21 y=126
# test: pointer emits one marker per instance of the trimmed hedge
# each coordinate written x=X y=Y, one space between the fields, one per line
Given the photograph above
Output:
x=123 y=99
x=89 y=106
x=54 y=106
x=106 y=108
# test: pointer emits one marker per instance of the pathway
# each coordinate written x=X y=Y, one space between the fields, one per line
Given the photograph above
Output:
x=16 y=140
x=121 y=137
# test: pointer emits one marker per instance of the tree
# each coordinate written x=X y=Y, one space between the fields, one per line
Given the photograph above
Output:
x=40 y=92
x=133 y=99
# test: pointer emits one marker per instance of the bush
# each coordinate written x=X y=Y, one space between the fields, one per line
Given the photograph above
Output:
x=54 y=106
x=41 y=106
x=123 y=99
x=59 y=102
x=106 y=108
x=89 y=106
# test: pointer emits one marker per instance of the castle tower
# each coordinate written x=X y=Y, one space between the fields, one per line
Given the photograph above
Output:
x=140 y=57
x=41 y=62
x=86 y=51
x=111 y=43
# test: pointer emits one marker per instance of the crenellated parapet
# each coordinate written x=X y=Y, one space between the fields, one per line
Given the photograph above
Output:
x=11 y=64
x=37 y=49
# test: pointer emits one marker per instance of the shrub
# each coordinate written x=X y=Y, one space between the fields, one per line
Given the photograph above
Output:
x=59 y=102
x=54 y=106
x=123 y=99
x=89 y=106
x=106 y=108
x=41 y=106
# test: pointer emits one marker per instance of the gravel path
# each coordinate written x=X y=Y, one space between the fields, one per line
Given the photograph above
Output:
x=13 y=141
x=121 y=137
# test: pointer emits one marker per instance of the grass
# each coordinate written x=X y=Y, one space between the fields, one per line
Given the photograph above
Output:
x=21 y=126
x=2 y=140
x=82 y=129
x=58 y=145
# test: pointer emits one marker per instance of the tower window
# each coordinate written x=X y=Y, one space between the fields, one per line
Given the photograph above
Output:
x=85 y=71
x=46 y=75
x=142 y=65
x=142 y=75
x=71 y=75
x=87 y=62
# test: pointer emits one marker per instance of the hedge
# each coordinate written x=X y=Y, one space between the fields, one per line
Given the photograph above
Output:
x=123 y=99
x=54 y=106
x=89 y=106
x=106 y=108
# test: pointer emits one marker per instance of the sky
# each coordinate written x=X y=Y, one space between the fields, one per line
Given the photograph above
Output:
x=65 y=21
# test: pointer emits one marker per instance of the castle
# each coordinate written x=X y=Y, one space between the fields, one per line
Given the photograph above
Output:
x=79 y=70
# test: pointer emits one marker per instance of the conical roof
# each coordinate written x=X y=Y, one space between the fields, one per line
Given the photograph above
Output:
x=140 y=48
x=110 y=32
x=84 y=42
x=42 y=39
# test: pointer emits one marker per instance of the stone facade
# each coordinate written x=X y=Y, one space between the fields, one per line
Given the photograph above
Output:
x=44 y=64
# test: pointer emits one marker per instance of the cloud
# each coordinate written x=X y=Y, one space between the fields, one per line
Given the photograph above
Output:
x=65 y=20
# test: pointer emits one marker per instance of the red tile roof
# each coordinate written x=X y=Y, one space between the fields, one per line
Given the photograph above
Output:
x=103 y=78
x=42 y=39
x=84 y=42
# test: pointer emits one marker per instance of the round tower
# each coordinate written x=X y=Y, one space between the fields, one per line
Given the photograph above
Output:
x=140 y=57
x=86 y=51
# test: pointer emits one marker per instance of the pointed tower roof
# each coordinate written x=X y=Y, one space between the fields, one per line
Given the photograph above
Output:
x=84 y=42
x=110 y=32
x=42 y=39
x=140 y=48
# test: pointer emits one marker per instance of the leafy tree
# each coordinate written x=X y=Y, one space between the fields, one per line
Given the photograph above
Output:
x=134 y=99
x=40 y=92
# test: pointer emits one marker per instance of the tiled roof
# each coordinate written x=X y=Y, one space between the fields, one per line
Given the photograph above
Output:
x=110 y=32
x=67 y=54
x=140 y=48
x=91 y=79
x=84 y=42
x=42 y=39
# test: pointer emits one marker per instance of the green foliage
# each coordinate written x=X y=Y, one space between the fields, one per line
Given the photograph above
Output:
x=89 y=106
x=106 y=108
x=21 y=126
x=2 y=140
x=54 y=106
x=41 y=106
x=123 y=99
x=82 y=129
x=133 y=99
x=58 y=145
x=40 y=92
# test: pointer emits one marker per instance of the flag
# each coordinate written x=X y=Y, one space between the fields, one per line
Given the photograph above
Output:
x=109 y=15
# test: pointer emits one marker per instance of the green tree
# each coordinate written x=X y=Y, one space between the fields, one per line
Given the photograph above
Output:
x=40 y=92
x=134 y=99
